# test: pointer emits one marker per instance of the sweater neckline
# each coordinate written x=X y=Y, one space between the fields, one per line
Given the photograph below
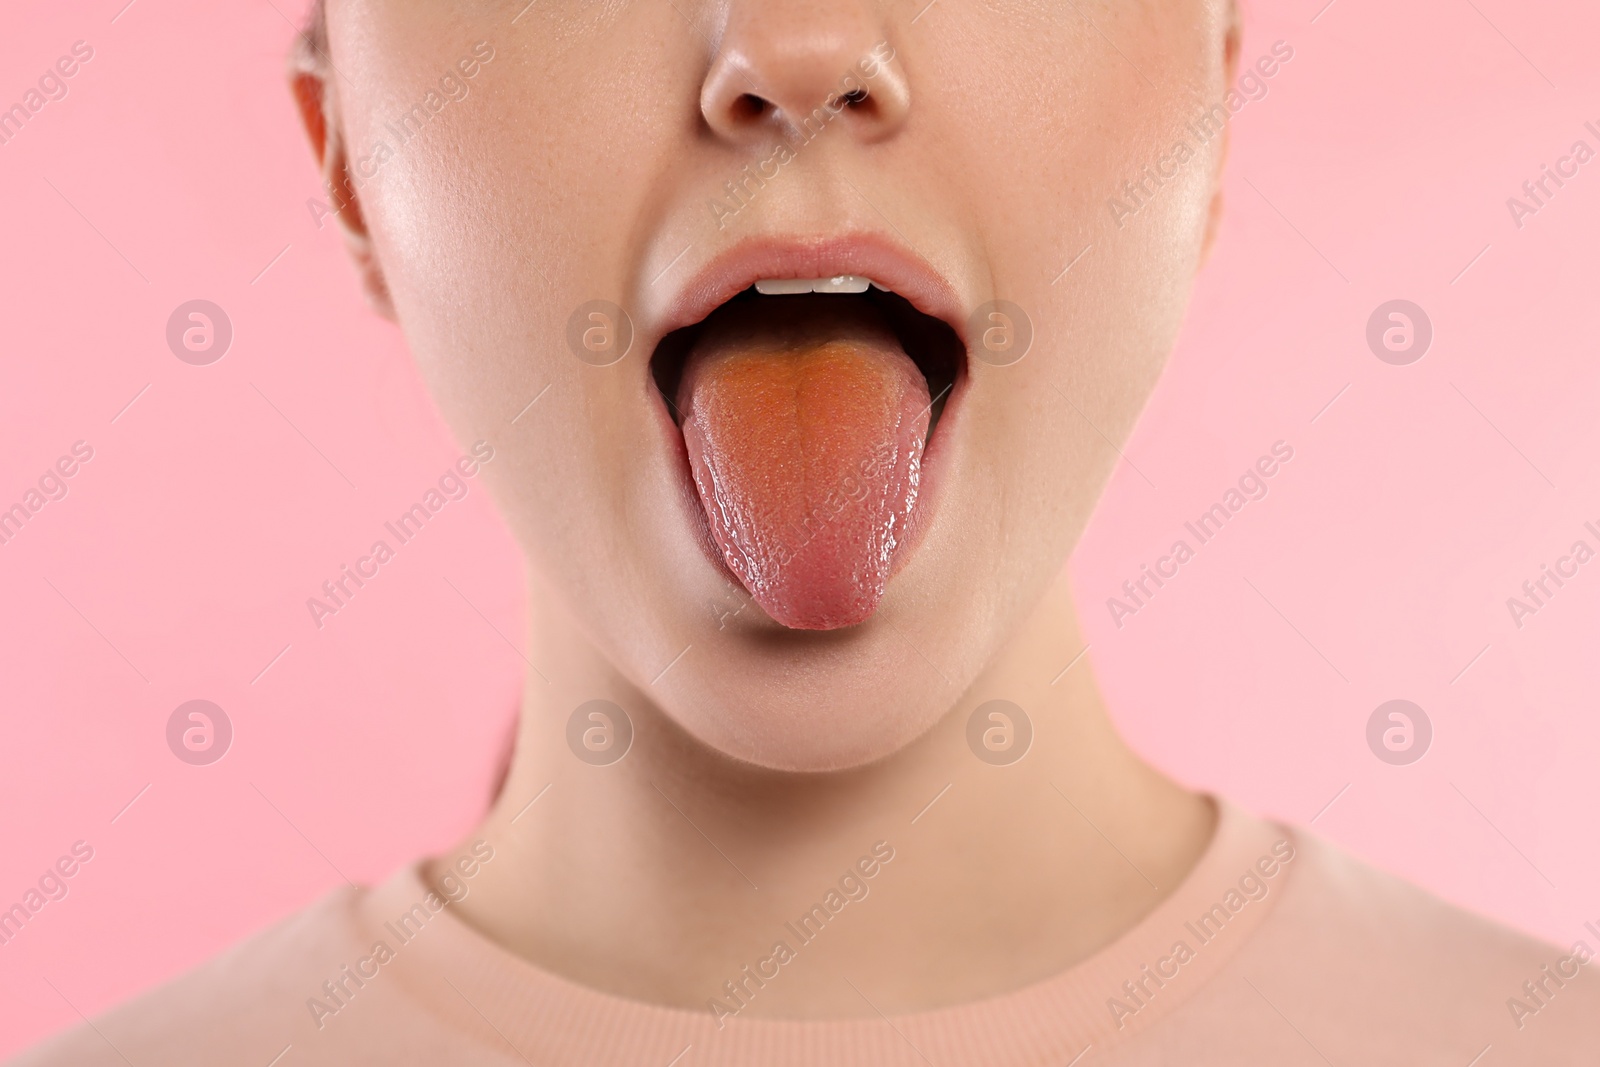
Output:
x=467 y=980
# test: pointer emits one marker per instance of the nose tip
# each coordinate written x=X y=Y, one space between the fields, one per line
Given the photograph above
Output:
x=798 y=72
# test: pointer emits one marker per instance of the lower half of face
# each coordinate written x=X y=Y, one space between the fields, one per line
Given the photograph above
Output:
x=806 y=352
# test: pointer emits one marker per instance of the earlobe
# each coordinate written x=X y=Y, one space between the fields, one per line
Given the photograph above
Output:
x=314 y=98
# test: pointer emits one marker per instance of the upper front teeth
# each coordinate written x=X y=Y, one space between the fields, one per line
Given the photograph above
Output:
x=841 y=283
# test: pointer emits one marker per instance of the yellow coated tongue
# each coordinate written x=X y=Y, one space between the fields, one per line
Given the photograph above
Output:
x=805 y=437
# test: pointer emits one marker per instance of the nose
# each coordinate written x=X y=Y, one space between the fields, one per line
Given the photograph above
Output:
x=800 y=66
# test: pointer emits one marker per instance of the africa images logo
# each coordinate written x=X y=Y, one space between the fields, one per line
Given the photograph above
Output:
x=1252 y=887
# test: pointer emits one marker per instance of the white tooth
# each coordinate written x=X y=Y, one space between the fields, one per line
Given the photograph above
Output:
x=882 y=288
x=842 y=283
x=783 y=286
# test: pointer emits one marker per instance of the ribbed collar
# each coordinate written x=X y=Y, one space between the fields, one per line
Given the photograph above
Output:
x=466 y=980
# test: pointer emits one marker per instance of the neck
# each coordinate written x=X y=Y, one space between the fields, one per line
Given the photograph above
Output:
x=662 y=876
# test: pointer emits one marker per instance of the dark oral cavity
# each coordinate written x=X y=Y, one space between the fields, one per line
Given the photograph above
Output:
x=804 y=420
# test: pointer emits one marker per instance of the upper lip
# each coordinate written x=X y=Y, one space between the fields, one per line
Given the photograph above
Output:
x=885 y=261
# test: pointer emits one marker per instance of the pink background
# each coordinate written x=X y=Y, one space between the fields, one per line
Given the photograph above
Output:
x=179 y=564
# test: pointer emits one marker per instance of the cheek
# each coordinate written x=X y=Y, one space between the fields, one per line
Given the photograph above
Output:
x=490 y=244
x=508 y=213
x=515 y=207
x=1105 y=300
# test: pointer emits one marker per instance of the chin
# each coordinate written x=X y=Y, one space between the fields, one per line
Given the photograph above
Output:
x=816 y=701
x=816 y=711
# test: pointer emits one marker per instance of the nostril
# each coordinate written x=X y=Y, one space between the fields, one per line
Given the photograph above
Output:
x=860 y=102
x=766 y=85
x=748 y=106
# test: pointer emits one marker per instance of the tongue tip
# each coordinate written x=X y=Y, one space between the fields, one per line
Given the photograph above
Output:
x=835 y=617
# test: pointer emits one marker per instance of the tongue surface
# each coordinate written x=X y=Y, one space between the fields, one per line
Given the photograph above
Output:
x=804 y=421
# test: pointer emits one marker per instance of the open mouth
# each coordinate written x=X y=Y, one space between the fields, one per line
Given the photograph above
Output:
x=931 y=343
x=806 y=405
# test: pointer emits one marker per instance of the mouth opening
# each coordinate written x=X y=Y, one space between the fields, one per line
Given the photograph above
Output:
x=931 y=343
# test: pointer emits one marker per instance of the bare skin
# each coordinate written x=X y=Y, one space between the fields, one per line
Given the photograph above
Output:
x=765 y=762
x=614 y=878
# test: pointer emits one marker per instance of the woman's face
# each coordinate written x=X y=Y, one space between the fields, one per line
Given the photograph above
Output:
x=522 y=171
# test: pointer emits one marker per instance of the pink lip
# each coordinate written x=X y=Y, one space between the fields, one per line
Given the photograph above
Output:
x=885 y=262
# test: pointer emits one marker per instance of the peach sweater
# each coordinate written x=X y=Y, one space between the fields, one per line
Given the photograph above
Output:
x=1276 y=949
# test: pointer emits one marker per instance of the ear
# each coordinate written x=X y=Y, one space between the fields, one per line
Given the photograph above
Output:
x=1230 y=66
x=315 y=96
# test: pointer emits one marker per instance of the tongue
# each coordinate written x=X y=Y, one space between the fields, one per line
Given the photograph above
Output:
x=804 y=421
